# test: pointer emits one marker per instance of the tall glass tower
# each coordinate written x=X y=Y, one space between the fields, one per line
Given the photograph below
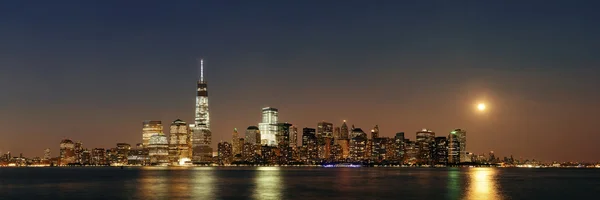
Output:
x=201 y=137
x=268 y=127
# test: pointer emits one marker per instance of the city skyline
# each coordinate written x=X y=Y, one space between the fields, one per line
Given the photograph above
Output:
x=94 y=73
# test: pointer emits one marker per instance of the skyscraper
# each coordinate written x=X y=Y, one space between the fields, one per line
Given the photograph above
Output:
x=358 y=144
x=268 y=126
x=325 y=139
x=399 y=142
x=462 y=140
x=202 y=136
x=47 y=155
x=344 y=131
x=440 y=155
x=375 y=132
x=178 y=141
x=453 y=148
x=309 y=145
x=158 y=149
x=67 y=152
x=253 y=135
x=294 y=136
x=236 y=146
x=425 y=142
x=149 y=129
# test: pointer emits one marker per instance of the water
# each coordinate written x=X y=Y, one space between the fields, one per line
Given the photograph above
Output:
x=297 y=183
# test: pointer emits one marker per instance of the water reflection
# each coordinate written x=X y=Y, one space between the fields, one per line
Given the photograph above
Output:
x=203 y=181
x=268 y=183
x=482 y=184
x=153 y=183
x=453 y=183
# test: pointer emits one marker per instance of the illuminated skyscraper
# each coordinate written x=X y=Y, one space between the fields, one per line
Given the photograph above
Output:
x=294 y=136
x=425 y=142
x=462 y=140
x=268 y=127
x=399 y=142
x=178 y=142
x=344 y=131
x=78 y=151
x=67 y=152
x=158 y=149
x=440 y=152
x=309 y=145
x=122 y=153
x=253 y=135
x=202 y=136
x=358 y=144
x=236 y=146
x=149 y=129
x=224 y=153
x=47 y=155
x=375 y=132
x=325 y=139
x=453 y=148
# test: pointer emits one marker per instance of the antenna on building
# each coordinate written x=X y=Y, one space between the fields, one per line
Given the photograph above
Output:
x=201 y=69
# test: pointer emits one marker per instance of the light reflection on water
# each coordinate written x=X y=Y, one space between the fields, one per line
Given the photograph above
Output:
x=482 y=184
x=268 y=183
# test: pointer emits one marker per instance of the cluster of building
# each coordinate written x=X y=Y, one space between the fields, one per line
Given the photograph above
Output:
x=270 y=143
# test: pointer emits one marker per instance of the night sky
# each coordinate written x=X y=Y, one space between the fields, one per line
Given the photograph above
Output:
x=92 y=72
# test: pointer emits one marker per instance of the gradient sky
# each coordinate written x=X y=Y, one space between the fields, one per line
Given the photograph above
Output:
x=92 y=72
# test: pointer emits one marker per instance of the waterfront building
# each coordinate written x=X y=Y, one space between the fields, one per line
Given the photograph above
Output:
x=178 y=141
x=425 y=142
x=309 y=145
x=268 y=126
x=358 y=144
x=440 y=155
x=86 y=157
x=253 y=135
x=67 y=152
x=283 y=141
x=47 y=155
x=236 y=146
x=293 y=136
x=344 y=131
x=158 y=150
x=78 y=147
x=324 y=136
x=150 y=128
x=99 y=156
x=202 y=136
x=122 y=153
x=411 y=152
x=461 y=134
x=453 y=148
x=224 y=155
x=399 y=144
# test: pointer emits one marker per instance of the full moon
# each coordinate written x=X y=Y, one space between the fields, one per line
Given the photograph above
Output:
x=481 y=107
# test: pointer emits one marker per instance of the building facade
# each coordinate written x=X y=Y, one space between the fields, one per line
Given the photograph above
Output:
x=150 y=128
x=202 y=136
x=178 y=141
x=268 y=126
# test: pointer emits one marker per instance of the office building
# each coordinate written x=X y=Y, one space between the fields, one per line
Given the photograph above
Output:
x=202 y=136
x=425 y=142
x=253 y=135
x=150 y=128
x=462 y=140
x=440 y=151
x=67 y=152
x=158 y=150
x=268 y=126
x=178 y=141
x=236 y=146
x=453 y=143
x=358 y=144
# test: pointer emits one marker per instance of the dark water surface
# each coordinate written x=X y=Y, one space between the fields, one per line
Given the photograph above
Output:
x=298 y=183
